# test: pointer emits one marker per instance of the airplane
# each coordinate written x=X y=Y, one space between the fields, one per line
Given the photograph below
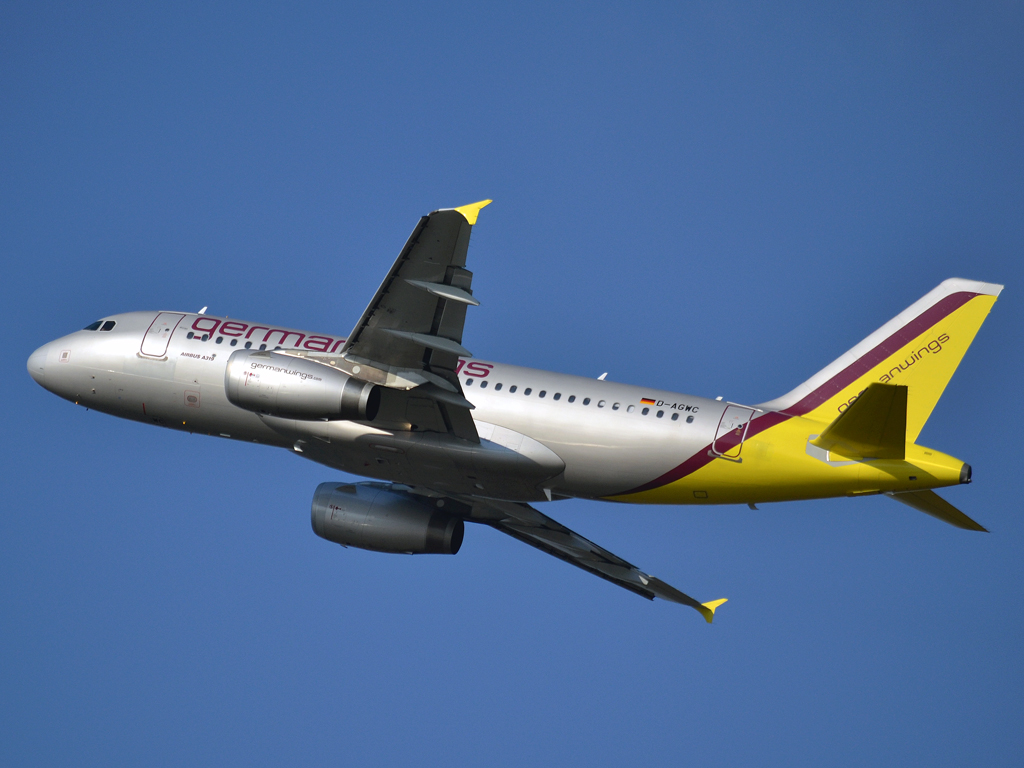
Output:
x=448 y=439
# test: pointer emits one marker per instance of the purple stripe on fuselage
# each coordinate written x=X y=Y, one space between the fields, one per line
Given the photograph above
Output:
x=934 y=314
x=705 y=456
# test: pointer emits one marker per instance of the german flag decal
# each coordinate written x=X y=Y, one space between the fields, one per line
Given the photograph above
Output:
x=647 y=401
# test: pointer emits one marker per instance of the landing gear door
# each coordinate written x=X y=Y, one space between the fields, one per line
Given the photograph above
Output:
x=732 y=430
x=154 y=343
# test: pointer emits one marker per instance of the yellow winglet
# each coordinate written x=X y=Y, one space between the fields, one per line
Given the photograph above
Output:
x=472 y=210
x=708 y=609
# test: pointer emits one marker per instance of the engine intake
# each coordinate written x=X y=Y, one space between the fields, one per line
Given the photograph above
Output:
x=373 y=516
x=297 y=388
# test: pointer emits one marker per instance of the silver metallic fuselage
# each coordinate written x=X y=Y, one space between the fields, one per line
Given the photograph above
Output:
x=532 y=447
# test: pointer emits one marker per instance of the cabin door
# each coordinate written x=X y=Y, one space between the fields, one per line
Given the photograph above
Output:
x=732 y=431
x=154 y=343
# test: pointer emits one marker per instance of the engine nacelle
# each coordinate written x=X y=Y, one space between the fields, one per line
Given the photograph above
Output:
x=372 y=516
x=296 y=388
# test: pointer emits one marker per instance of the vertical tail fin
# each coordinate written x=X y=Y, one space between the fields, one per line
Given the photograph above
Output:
x=919 y=348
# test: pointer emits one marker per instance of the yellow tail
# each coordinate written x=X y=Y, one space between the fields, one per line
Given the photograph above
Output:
x=919 y=349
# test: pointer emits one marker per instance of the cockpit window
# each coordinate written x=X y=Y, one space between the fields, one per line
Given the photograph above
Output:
x=93 y=326
x=109 y=325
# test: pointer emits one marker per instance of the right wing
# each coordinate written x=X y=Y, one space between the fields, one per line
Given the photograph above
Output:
x=525 y=523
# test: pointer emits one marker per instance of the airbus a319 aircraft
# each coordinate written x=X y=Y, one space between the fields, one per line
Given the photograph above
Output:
x=450 y=439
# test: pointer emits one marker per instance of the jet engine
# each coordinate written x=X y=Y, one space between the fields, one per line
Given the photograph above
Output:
x=374 y=516
x=297 y=388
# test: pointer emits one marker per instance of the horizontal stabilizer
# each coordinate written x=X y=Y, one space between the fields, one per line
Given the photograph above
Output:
x=873 y=427
x=932 y=504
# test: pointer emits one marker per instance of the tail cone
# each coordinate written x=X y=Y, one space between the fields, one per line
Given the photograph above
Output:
x=965 y=474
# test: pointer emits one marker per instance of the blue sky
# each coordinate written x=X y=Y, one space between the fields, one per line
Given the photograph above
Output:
x=713 y=198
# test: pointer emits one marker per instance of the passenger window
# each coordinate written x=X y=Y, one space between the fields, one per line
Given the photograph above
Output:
x=558 y=395
x=645 y=411
x=190 y=335
x=206 y=337
x=615 y=407
x=497 y=387
x=630 y=408
x=572 y=398
x=220 y=339
x=675 y=417
x=600 y=404
x=512 y=388
x=586 y=401
x=689 y=419
x=542 y=393
x=248 y=344
x=108 y=325
x=483 y=384
x=660 y=414
x=469 y=382
x=262 y=346
x=93 y=326
x=234 y=342
x=527 y=391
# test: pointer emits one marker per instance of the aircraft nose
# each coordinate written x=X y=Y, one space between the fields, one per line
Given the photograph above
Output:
x=37 y=363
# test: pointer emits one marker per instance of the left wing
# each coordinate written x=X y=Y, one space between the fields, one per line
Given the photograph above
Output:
x=538 y=530
x=411 y=332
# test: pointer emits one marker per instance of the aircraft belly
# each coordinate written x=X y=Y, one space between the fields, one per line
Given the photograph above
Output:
x=511 y=466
